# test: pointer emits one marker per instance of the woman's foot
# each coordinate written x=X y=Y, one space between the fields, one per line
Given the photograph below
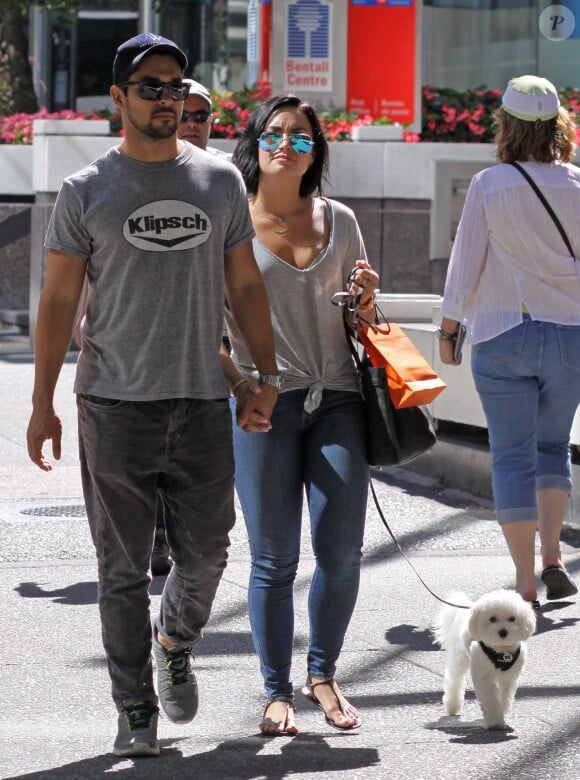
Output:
x=559 y=584
x=338 y=711
x=526 y=587
x=279 y=719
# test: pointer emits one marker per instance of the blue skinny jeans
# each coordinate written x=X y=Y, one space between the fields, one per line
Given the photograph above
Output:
x=323 y=455
x=528 y=380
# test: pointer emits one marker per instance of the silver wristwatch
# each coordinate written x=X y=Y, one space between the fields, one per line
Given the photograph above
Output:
x=275 y=380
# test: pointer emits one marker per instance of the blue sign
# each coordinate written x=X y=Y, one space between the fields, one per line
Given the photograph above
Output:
x=308 y=29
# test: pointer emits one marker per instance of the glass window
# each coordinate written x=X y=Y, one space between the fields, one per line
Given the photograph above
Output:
x=470 y=43
x=98 y=34
x=214 y=35
x=559 y=43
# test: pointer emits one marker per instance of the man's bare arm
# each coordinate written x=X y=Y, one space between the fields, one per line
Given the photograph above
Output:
x=248 y=300
x=59 y=300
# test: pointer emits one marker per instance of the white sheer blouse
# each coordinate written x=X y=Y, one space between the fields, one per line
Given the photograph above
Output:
x=508 y=255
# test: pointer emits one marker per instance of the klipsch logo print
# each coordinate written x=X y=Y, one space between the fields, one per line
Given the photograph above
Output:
x=167 y=226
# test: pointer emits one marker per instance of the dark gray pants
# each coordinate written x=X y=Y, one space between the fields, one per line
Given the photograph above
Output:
x=128 y=450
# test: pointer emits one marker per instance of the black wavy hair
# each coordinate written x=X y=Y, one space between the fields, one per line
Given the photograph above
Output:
x=245 y=155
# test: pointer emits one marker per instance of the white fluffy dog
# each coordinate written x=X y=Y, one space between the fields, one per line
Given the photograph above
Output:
x=488 y=638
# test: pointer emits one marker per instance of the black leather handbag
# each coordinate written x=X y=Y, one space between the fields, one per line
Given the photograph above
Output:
x=394 y=436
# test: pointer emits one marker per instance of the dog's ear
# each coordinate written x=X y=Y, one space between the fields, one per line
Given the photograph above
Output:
x=473 y=623
x=528 y=622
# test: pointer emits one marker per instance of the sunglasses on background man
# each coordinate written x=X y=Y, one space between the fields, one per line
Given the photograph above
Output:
x=200 y=116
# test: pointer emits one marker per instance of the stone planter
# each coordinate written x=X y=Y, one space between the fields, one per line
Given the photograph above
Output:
x=70 y=127
x=64 y=146
x=16 y=167
x=377 y=133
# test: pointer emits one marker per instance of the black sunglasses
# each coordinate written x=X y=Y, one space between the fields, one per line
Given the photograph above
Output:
x=200 y=116
x=153 y=90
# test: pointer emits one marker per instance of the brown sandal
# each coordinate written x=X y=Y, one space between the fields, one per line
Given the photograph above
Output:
x=308 y=691
x=286 y=730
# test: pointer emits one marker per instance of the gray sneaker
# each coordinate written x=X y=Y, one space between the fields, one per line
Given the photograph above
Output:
x=137 y=731
x=176 y=683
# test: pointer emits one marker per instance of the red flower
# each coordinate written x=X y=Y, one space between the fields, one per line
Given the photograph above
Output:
x=475 y=128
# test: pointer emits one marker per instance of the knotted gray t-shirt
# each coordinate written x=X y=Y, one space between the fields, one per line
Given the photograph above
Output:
x=311 y=349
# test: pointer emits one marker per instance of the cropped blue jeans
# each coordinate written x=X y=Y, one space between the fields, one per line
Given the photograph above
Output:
x=323 y=455
x=528 y=380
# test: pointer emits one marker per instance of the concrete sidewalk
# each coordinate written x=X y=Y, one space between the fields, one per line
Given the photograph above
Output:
x=57 y=720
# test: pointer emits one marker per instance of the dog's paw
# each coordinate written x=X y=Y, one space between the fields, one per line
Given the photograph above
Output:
x=497 y=726
x=452 y=709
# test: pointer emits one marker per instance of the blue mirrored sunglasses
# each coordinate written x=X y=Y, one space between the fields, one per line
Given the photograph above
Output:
x=300 y=142
x=153 y=90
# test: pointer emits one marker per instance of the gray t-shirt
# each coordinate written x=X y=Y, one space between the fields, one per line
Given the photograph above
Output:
x=154 y=237
x=311 y=350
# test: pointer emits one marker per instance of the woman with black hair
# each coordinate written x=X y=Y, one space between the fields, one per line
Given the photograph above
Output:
x=306 y=245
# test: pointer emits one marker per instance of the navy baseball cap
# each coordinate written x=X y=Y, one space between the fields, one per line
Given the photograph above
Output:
x=130 y=54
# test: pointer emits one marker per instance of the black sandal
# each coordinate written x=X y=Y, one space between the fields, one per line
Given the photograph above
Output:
x=285 y=731
x=308 y=692
x=559 y=584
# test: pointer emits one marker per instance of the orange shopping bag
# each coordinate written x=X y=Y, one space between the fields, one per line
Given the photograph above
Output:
x=411 y=380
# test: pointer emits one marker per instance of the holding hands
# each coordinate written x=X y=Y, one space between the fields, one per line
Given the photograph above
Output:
x=254 y=404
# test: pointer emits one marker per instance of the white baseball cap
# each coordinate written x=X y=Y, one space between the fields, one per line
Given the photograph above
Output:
x=196 y=88
x=530 y=98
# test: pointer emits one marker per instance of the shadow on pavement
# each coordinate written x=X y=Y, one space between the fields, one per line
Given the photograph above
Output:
x=73 y=595
x=236 y=759
x=411 y=637
x=81 y=593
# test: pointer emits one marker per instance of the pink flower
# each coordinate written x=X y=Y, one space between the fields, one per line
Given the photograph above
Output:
x=476 y=129
x=449 y=113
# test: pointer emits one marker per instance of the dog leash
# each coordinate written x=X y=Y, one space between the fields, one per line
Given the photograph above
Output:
x=400 y=549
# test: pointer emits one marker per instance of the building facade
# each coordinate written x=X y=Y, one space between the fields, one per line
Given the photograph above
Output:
x=463 y=43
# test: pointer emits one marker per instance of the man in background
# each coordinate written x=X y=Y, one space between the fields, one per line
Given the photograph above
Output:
x=196 y=119
x=195 y=127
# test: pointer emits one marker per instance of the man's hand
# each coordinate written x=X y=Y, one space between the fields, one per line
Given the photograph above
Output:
x=43 y=426
x=254 y=404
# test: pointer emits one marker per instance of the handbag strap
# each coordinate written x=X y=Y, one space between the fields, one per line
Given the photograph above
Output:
x=400 y=549
x=350 y=334
x=547 y=206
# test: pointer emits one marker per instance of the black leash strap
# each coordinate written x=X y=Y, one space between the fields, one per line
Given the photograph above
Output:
x=400 y=549
x=547 y=206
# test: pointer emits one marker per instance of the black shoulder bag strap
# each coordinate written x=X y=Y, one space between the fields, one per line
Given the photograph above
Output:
x=547 y=206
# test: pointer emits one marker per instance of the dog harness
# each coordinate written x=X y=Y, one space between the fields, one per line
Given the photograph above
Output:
x=501 y=659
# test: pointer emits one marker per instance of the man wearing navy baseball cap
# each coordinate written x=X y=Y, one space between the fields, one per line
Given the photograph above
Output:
x=133 y=51
x=161 y=232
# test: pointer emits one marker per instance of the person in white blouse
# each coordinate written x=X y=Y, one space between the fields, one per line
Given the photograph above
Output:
x=514 y=279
